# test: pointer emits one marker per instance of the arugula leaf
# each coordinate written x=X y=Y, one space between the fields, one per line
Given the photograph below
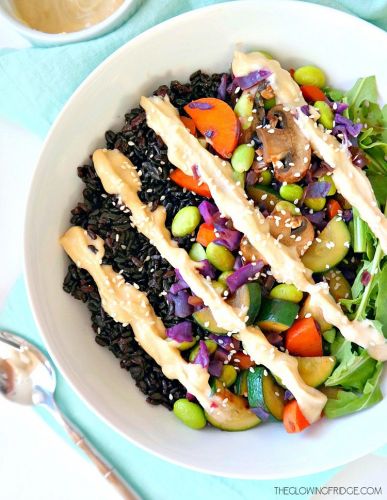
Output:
x=363 y=90
x=350 y=402
x=353 y=371
x=379 y=185
x=381 y=300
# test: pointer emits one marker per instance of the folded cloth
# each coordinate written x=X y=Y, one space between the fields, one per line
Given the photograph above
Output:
x=36 y=82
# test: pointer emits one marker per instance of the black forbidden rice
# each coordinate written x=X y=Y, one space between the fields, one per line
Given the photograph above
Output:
x=127 y=250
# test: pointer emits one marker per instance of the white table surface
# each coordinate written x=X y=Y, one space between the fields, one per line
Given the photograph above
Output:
x=35 y=463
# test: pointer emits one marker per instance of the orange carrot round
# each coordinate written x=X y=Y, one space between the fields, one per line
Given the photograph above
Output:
x=206 y=234
x=333 y=208
x=303 y=338
x=189 y=124
x=216 y=120
x=294 y=420
x=190 y=183
x=312 y=93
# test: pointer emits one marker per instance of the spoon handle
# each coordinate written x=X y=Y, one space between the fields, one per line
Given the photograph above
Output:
x=112 y=476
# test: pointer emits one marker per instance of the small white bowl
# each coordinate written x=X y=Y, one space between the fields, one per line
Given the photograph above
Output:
x=294 y=32
x=46 y=39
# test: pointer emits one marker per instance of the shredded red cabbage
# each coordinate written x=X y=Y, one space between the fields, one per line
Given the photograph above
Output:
x=178 y=286
x=338 y=107
x=347 y=215
x=365 y=278
x=260 y=412
x=209 y=133
x=353 y=129
x=207 y=211
x=274 y=338
x=251 y=177
x=288 y=396
x=238 y=263
x=206 y=269
x=182 y=308
x=203 y=357
x=190 y=397
x=305 y=109
x=221 y=354
x=222 y=87
x=215 y=367
x=226 y=342
x=248 y=81
x=317 y=189
x=229 y=238
x=182 y=332
x=242 y=275
x=200 y=105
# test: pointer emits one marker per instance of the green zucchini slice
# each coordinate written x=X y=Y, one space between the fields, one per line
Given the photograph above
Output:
x=315 y=371
x=330 y=249
x=263 y=392
x=277 y=315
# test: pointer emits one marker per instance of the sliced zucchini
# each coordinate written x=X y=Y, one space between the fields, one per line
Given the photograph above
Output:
x=241 y=383
x=339 y=287
x=277 y=315
x=315 y=371
x=232 y=416
x=264 y=196
x=263 y=392
x=206 y=320
x=316 y=313
x=211 y=347
x=248 y=297
x=320 y=257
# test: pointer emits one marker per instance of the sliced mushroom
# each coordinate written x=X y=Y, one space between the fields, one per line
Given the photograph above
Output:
x=291 y=230
x=285 y=147
x=249 y=253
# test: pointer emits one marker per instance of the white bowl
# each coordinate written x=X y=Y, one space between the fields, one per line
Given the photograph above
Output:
x=296 y=33
x=112 y=22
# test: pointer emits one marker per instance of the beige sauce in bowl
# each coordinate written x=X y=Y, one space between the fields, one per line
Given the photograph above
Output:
x=64 y=16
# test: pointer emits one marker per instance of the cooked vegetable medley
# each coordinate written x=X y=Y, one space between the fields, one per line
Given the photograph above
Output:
x=285 y=177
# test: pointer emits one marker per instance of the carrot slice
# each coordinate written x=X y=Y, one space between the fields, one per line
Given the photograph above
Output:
x=304 y=339
x=216 y=120
x=190 y=183
x=312 y=93
x=206 y=234
x=189 y=124
x=242 y=360
x=333 y=208
x=294 y=420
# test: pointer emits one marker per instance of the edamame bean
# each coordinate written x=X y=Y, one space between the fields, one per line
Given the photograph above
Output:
x=185 y=221
x=326 y=114
x=328 y=178
x=266 y=54
x=211 y=346
x=269 y=103
x=239 y=177
x=265 y=178
x=315 y=204
x=287 y=206
x=286 y=292
x=310 y=75
x=242 y=158
x=191 y=414
x=228 y=375
x=197 y=252
x=244 y=108
x=291 y=192
x=219 y=286
x=223 y=277
x=220 y=257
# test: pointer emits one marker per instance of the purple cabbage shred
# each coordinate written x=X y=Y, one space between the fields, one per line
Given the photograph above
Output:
x=317 y=190
x=203 y=106
x=243 y=275
x=203 y=357
x=182 y=332
x=248 y=81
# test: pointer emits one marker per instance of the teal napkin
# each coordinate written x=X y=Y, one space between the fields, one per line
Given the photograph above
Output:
x=34 y=85
x=36 y=82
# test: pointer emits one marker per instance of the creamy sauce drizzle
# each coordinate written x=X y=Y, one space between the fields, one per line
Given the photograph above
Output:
x=127 y=305
x=184 y=150
x=350 y=181
x=119 y=176
x=64 y=16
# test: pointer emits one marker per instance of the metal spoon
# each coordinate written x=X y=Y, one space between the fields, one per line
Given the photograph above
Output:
x=27 y=377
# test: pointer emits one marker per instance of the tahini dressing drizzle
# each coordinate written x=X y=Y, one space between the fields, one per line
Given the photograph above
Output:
x=350 y=181
x=120 y=177
x=184 y=151
x=127 y=305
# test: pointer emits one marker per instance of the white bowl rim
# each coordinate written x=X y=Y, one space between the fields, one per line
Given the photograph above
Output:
x=70 y=37
x=33 y=301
